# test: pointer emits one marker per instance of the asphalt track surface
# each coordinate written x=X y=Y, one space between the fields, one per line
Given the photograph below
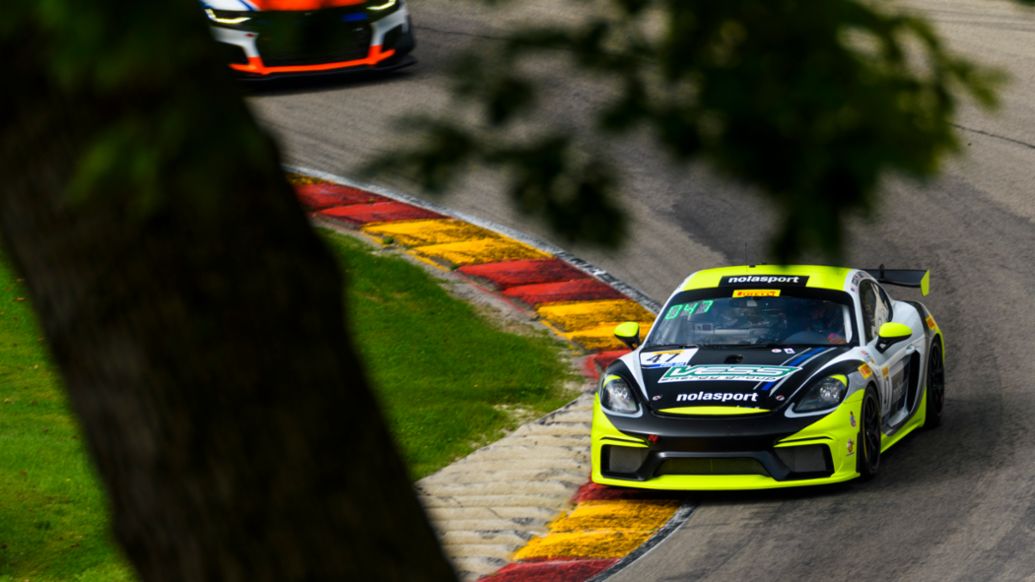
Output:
x=957 y=503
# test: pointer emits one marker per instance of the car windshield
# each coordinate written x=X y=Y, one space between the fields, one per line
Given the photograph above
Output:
x=753 y=320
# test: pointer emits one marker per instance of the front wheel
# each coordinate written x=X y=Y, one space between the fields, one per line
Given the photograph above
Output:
x=868 y=461
x=935 y=387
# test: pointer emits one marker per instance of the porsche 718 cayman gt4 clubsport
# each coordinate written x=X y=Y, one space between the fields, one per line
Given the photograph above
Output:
x=759 y=377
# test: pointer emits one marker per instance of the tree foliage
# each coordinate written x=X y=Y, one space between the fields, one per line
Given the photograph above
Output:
x=812 y=104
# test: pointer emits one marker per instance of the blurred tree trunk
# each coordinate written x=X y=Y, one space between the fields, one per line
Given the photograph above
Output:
x=194 y=315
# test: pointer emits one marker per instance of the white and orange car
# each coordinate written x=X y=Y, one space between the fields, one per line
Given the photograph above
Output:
x=267 y=38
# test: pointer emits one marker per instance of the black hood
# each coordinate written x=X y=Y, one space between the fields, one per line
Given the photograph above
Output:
x=749 y=377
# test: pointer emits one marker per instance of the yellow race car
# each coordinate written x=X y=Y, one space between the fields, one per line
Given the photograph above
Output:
x=761 y=376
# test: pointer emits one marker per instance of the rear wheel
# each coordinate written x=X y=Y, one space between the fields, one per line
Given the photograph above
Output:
x=935 y=387
x=868 y=461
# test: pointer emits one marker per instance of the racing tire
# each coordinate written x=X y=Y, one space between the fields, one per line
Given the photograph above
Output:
x=868 y=460
x=935 y=387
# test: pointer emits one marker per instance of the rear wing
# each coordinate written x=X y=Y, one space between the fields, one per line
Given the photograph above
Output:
x=916 y=278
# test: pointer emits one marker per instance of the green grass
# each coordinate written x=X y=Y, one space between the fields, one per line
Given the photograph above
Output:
x=53 y=524
x=445 y=376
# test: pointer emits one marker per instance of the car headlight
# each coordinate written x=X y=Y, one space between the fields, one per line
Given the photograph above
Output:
x=616 y=396
x=827 y=393
x=382 y=6
x=228 y=17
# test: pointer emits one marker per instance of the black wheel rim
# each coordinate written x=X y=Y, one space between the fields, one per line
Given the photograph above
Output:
x=936 y=380
x=871 y=433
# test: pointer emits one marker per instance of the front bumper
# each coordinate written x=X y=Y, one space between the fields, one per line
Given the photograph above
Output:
x=253 y=49
x=822 y=452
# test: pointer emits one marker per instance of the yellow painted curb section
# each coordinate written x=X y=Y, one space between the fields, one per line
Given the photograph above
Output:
x=413 y=233
x=622 y=514
x=600 y=529
x=602 y=337
x=587 y=314
x=597 y=544
x=475 y=252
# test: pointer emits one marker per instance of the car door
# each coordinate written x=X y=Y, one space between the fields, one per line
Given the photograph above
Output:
x=891 y=365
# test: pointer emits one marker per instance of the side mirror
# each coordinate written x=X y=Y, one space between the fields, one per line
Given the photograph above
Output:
x=890 y=334
x=629 y=333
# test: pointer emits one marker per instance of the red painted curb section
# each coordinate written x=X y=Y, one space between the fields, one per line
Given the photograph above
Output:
x=595 y=364
x=320 y=196
x=585 y=289
x=378 y=212
x=590 y=491
x=550 y=571
x=524 y=272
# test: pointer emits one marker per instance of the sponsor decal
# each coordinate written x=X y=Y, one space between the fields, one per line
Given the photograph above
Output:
x=666 y=358
x=789 y=351
x=930 y=322
x=851 y=447
x=717 y=397
x=851 y=419
x=780 y=398
x=866 y=371
x=799 y=280
x=728 y=373
x=756 y=293
x=658 y=397
x=776 y=350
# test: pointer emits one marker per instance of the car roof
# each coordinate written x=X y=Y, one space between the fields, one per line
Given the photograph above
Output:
x=810 y=276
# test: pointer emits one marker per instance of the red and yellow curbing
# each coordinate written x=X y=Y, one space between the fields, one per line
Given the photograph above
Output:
x=605 y=524
x=600 y=529
x=576 y=305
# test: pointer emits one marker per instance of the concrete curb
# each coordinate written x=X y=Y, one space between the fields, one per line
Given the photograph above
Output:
x=496 y=510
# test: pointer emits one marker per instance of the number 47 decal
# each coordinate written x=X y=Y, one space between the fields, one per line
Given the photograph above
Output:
x=667 y=357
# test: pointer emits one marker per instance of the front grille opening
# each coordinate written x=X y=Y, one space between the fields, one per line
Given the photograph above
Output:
x=806 y=461
x=232 y=54
x=310 y=37
x=732 y=466
x=626 y=460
